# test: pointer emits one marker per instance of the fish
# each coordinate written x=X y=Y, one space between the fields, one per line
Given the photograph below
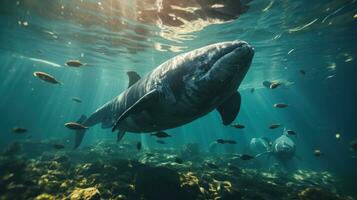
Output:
x=58 y=146
x=271 y=85
x=302 y=72
x=238 y=126
x=47 y=78
x=178 y=92
x=246 y=157
x=274 y=126
x=231 y=142
x=353 y=145
x=222 y=141
x=138 y=146
x=74 y=63
x=19 y=130
x=252 y=90
x=160 y=142
x=161 y=134
x=77 y=99
x=317 y=153
x=75 y=126
x=280 y=105
x=275 y=85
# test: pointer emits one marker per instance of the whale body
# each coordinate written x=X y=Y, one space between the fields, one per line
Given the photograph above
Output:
x=178 y=91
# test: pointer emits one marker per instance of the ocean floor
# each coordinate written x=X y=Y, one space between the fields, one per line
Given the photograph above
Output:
x=41 y=170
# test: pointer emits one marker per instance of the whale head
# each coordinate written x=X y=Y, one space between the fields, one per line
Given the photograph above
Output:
x=216 y=71
x=228 y=64
x=284 y=147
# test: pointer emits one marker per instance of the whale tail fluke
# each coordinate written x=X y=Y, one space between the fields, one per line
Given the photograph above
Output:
x=80 y=133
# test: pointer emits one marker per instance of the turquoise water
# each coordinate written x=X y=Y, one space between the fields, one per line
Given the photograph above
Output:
x=113 y=37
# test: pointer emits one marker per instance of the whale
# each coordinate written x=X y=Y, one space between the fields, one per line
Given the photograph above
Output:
x=180 y=90
x=282 y=148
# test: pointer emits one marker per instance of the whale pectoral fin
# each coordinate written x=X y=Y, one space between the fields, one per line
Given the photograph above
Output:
x=120 y=135
x=144 y=102
x=133 y=77
x=229 y=109
x=264 y=153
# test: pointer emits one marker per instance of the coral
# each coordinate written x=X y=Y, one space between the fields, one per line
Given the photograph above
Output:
x=90 y=193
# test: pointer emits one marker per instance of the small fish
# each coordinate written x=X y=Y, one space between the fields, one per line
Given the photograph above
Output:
x=353 y=145
x=317 y=153
x=246 y=157
x=252 y=90
x=280 y=105
x=160 y=134
x=238 y=126
x=178 y=160
x=46 y=77
x=58 y=146
x=138 y=146
x=231 y=142
x=19 y=130
x=74 y=63
x=274 y=126
x=274 y=85
x=302 y=72
x=271 y=85
x=222 y=141
x=77 y=99
x=160 y=142
x=75 y=126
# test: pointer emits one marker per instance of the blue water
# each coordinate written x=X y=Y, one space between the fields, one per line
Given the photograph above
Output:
x=113 y=37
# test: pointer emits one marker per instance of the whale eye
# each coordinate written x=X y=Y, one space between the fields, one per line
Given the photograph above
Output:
x=202 y=58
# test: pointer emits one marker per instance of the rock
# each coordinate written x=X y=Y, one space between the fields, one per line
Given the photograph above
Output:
x=232 y=195
x=158 y=183
x=90 y=193
x=190 y=186
x=45 y=197
x=317 y=194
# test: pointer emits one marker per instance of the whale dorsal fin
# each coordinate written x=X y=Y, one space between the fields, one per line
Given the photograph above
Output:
x=229 y=109
x=133 y=77
x=144 y=102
